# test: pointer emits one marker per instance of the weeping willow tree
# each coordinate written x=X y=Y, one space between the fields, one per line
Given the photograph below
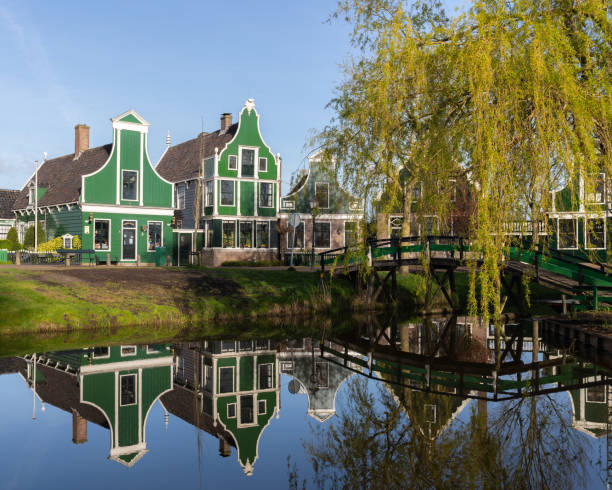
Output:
x=512 y=95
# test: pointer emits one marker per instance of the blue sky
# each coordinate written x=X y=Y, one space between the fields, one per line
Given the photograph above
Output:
x=175 y=63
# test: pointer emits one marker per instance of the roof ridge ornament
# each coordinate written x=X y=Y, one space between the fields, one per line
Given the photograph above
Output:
x=168 y=140
x=250 y=105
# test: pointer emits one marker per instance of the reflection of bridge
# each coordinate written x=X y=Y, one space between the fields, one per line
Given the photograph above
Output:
x=587 y=282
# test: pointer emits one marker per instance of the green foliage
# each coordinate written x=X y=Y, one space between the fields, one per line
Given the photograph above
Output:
x=28 y=241
x=13 y=238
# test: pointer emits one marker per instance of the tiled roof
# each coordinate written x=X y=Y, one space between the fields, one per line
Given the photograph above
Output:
x=61 y=177
x=7 y=198
x=180 y=162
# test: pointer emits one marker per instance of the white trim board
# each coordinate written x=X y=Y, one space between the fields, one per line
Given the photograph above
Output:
x=126 y=209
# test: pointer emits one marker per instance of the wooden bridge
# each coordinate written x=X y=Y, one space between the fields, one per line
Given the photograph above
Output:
x=585 y=282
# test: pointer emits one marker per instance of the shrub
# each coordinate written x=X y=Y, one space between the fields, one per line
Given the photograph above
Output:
x=58 y=242
x=28 y=241
x=13 y=238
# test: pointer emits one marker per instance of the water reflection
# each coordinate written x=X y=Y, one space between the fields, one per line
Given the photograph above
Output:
x=445 y=402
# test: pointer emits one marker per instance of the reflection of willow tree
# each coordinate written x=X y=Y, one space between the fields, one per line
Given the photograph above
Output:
x=374 y=444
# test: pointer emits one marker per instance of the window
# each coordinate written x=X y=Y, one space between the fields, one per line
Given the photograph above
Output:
x=227 y=193
x=263 y=164
x=245 y=345
x=128 y=390
x=208 y=378
x=395 y=225
x=417 y=190
x=228 y=346
x=101 y=352
x=322 y=195
x=248 y=162
x=232 y=162
x=210 y=193
x=229 y=234
x=246 y=234
x=155 y=235
x=101 y=234
x=350 y=233
x=261 y=407
x=246 y=409
x=598 y=196
x=31 y=195
x=322 y=235
x=262 y=234
x=430 y=225
x=210 y=233
x=231 y=410
x=596 y=394
x=265 y=195
x=322 y=374
x=567 y=233
x=261 y=345
x=180 y=195
x=595 y=233
x=265 y=376
x=67 y=241
x=287 y=204
x=154 y=348
x=128 y=350
x=130 y=185
x=226 y=379
x=299 y=237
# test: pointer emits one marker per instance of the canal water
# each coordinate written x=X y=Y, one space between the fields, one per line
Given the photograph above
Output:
x=436 y=403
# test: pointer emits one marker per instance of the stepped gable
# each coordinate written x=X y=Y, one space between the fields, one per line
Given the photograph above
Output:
x=7 y=199
x=61 y=177
x=180 y=162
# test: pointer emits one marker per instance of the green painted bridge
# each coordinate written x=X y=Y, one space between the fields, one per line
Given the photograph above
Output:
x=586 y=282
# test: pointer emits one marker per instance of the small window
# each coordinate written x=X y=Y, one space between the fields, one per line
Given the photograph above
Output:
x=154 y=235
x=263 y=164
x=262 y=345
x=265 y=195
x=128 y=390
x=227 y=193
x=262 y=234
x=231 y=410
x=208 y=378
x=598 y=196
x=232 y=162
x=322 y=195
x=246 y=409
x=246 y=345
x=130 y=185
x=101 y=352
x=298 y=242
x=229 y=234
x=31 y=195
x=261 y=407
x=226 y=379
x=210 y=193
x=417 y=191
x=596 y=394
x=595 y=233
x=350 y=233
x=101 y=234
x=322 y=235
x=67 y=241
x=228 y=346
x=431 y=413
x=128 y=350
x=287 y=204
x=567 y=233
x=246 y=234
x=265 y=376
x=180 y=195
x=248 y=162
x=154 y=348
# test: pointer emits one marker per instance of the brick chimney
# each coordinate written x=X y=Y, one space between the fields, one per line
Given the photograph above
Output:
x=79 y=427
x=226 y=120
x=81 y=139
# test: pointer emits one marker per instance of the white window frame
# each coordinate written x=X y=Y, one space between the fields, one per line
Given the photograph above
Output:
x=328 y=196
x=65 y=237
x=233 y=368
x=240 y=222
x=135 y=239
x=586 y=393
x=229 y=160
x=129 y=346
x=259 y=366
x=109 y=235
x=265 y=407
x=135 y=390
x=137 y=185
x=235 y=410
x=330 y=234
x=182 y=185
x=210 y=196
x=150 y=350
x=575 y=219
x=255 y=160
x=271 y=184
x=239 y=410
x=586 y=233
x=93 y=354
x=602 y=175
x=223 y=222
x=255 y=235
x=287 y=204
x=162 y=234
x=290 y=237
x=259 y=160
x=221 y=192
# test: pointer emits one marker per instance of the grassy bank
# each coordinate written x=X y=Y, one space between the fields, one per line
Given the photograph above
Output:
x=69 y=299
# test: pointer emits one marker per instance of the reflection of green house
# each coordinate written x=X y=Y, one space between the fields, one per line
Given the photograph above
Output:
x=238 y=383
x=590 y=410
x=116 y=386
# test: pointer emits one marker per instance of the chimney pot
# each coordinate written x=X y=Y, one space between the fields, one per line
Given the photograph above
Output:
x=81 y=139
x=226 y=120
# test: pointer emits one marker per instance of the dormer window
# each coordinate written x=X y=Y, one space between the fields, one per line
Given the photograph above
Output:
x=129 y=185
x=31 y=197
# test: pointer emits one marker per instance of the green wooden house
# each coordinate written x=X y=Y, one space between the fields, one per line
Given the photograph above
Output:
x=227 y=186
x=112 y=386
x=580 y=219
x=238 y=383
x=110 y=196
